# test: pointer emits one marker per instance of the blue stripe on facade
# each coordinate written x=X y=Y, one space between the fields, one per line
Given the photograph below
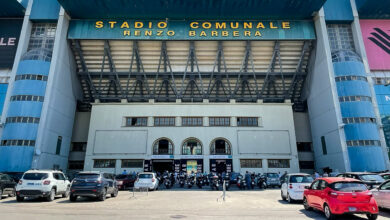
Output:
x=16 y=158
x=29 y=87
x=33 y=67
x=3 y=94
x=368 y=158
x=357 y=109
x=25 y=109
x=361 y=131
x=350 y=68
x=353 y=88
x=20 y=131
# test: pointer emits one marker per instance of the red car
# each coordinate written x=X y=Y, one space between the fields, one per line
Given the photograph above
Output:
x=336 y=196
x=125 y=181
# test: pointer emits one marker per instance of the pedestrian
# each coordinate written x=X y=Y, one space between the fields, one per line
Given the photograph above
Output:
x=124 y=172
x=248 y=179
x=316 y=175
x=325 y=174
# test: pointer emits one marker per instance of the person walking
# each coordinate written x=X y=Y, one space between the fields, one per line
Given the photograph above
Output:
x=248 y=179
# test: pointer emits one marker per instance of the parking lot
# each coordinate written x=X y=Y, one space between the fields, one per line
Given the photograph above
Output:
x=167 y=204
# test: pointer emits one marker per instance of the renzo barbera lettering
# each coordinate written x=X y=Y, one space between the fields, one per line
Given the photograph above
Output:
x=193 y=28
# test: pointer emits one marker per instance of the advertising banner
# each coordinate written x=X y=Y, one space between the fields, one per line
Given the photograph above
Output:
x=376 y=37
x=9 y=37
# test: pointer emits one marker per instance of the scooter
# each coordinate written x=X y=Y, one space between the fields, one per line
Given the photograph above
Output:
x=167 y=180
x=182 y=180
x=214 y=183
x=253 y=181
x=199 y=181
x=261 y=182
x=241 y=183
x=190 y=181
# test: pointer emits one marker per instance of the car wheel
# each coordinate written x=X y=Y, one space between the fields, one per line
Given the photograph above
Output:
x=19 y=198
x=328 y=213
x=52 y=195
x=13 y=194
x=289 y=199
x=281 y=194
x=306 y=204
x=372 y=216
x=103 y=196
x=115 y=193
x=72 y=198
x=1 y=194
x=66 y=193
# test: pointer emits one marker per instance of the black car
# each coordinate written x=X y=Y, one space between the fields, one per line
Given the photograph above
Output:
x=7 y=185
x=93 y=184
x=372 y=180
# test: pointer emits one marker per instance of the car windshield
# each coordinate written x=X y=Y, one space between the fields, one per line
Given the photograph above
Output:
x=301 y=179
x=145 y=176
x=272 y=175
x=35 y=176
x=371 y=177
x=87 y=176
x=348 y=187
x=386 y=176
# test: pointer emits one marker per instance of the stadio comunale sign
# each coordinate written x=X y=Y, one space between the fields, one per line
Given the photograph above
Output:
x=191 y=30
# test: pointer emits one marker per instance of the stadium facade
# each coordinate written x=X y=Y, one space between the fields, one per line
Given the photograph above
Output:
x=266 y=86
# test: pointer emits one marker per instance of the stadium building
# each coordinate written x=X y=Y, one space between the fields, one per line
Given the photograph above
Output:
x=266 y=86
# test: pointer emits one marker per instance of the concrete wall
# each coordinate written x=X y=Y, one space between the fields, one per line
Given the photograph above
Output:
x=276 y=133
x=81 y=126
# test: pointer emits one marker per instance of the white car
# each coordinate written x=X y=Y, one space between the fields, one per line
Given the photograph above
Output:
x=42 y=183
x=293 y=186
x=382 y=195
x=146 y=180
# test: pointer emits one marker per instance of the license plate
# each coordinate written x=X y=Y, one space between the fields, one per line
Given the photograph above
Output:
x=352 y=209
x=30 y=184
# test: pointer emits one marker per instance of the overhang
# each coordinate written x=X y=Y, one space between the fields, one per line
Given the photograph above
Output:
x=11 y=9
x=369 y=9
x=192 y=9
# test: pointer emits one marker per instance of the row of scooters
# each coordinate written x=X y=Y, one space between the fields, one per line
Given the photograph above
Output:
x=213 y=180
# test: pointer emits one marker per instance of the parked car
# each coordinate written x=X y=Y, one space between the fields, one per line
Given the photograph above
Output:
x=382 y=195
x=385 y=176
x=146 y=180
x=16 y=176
x=7 y=185
x=125 y=181
x=372 y=180
x=293 y=186
x=42 y=183
x=335 y=196
x=272 y=179
x=93 y=184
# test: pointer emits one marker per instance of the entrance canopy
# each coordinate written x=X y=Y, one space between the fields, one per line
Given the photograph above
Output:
x=369 y=9
x=11 y=9
x=192 y=9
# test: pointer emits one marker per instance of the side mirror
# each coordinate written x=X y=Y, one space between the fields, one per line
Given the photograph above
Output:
x=307 y=187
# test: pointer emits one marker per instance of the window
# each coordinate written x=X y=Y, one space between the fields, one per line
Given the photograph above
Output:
x=340 y=37
x=191 y=121
x=219 y=121
x=163 y=147
x=42 y=36
x=192 y=146
x=76 y=165
x=22 y=120
x=304 y=146
x=220 y=147
x=29 y=143
x=104 y=163
x=350 y=78
x=31 y=77
x=247 y=121
x=251 y=163
x=359 y=120
x=139 y=121
x=132 y=163
x=27 y=98
x=309 y=165
x=59 y=143
x=278 y=163
x=79 y=146
x=164 y=121
x=363 y=143
x=323 y=144
x=355 y=99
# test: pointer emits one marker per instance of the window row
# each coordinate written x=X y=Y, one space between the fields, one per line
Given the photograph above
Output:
x=192 y=146
x=27 y=98
x=382 y=81
x=31 y=77
x=354 y=99
x=350 y=78
x=18 y=142
x=110 y=163
x=358 y=120
x=363 y=143
x=191 y=121
x=272 y=163
x=22 y=120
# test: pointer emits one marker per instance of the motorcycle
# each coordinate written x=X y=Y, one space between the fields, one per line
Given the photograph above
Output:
x=241 y=183
x=190 y=181
x=226 y=181
x=253 y=181
x=214 y=183
x=182 y=180
x=261 y=182
x=167 y=180
x=199 y=181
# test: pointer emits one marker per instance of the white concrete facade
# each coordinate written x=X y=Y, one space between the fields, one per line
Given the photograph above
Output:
x=274 y=138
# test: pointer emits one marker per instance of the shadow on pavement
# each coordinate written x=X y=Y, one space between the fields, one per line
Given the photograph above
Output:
x=84 y=200
x=28 y=200
x=315 y=214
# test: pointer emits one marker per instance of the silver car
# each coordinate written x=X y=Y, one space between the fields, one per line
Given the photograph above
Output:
x=382 y=195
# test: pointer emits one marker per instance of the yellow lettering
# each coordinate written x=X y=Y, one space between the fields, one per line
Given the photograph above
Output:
x=260 y=25
x=191 y=33
x=236 y=34
x=247 y=25
x=99 y=24
x=194 y=25
x=112 y=24
x=137 y=33
x=225 y=33
x=258 y=34
x=170 y=33
x=286 y=25
x=271 y=25
x=206 y=25
x=150 y=24
x=159 y=33
x=247 y=33
x=126 y=33
x=162 y=24
x=214 y=33
x=138 y=24
x=148 y=33
x=202 y=34
x=125 y=25
x=234 y=26
x=220 y=25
